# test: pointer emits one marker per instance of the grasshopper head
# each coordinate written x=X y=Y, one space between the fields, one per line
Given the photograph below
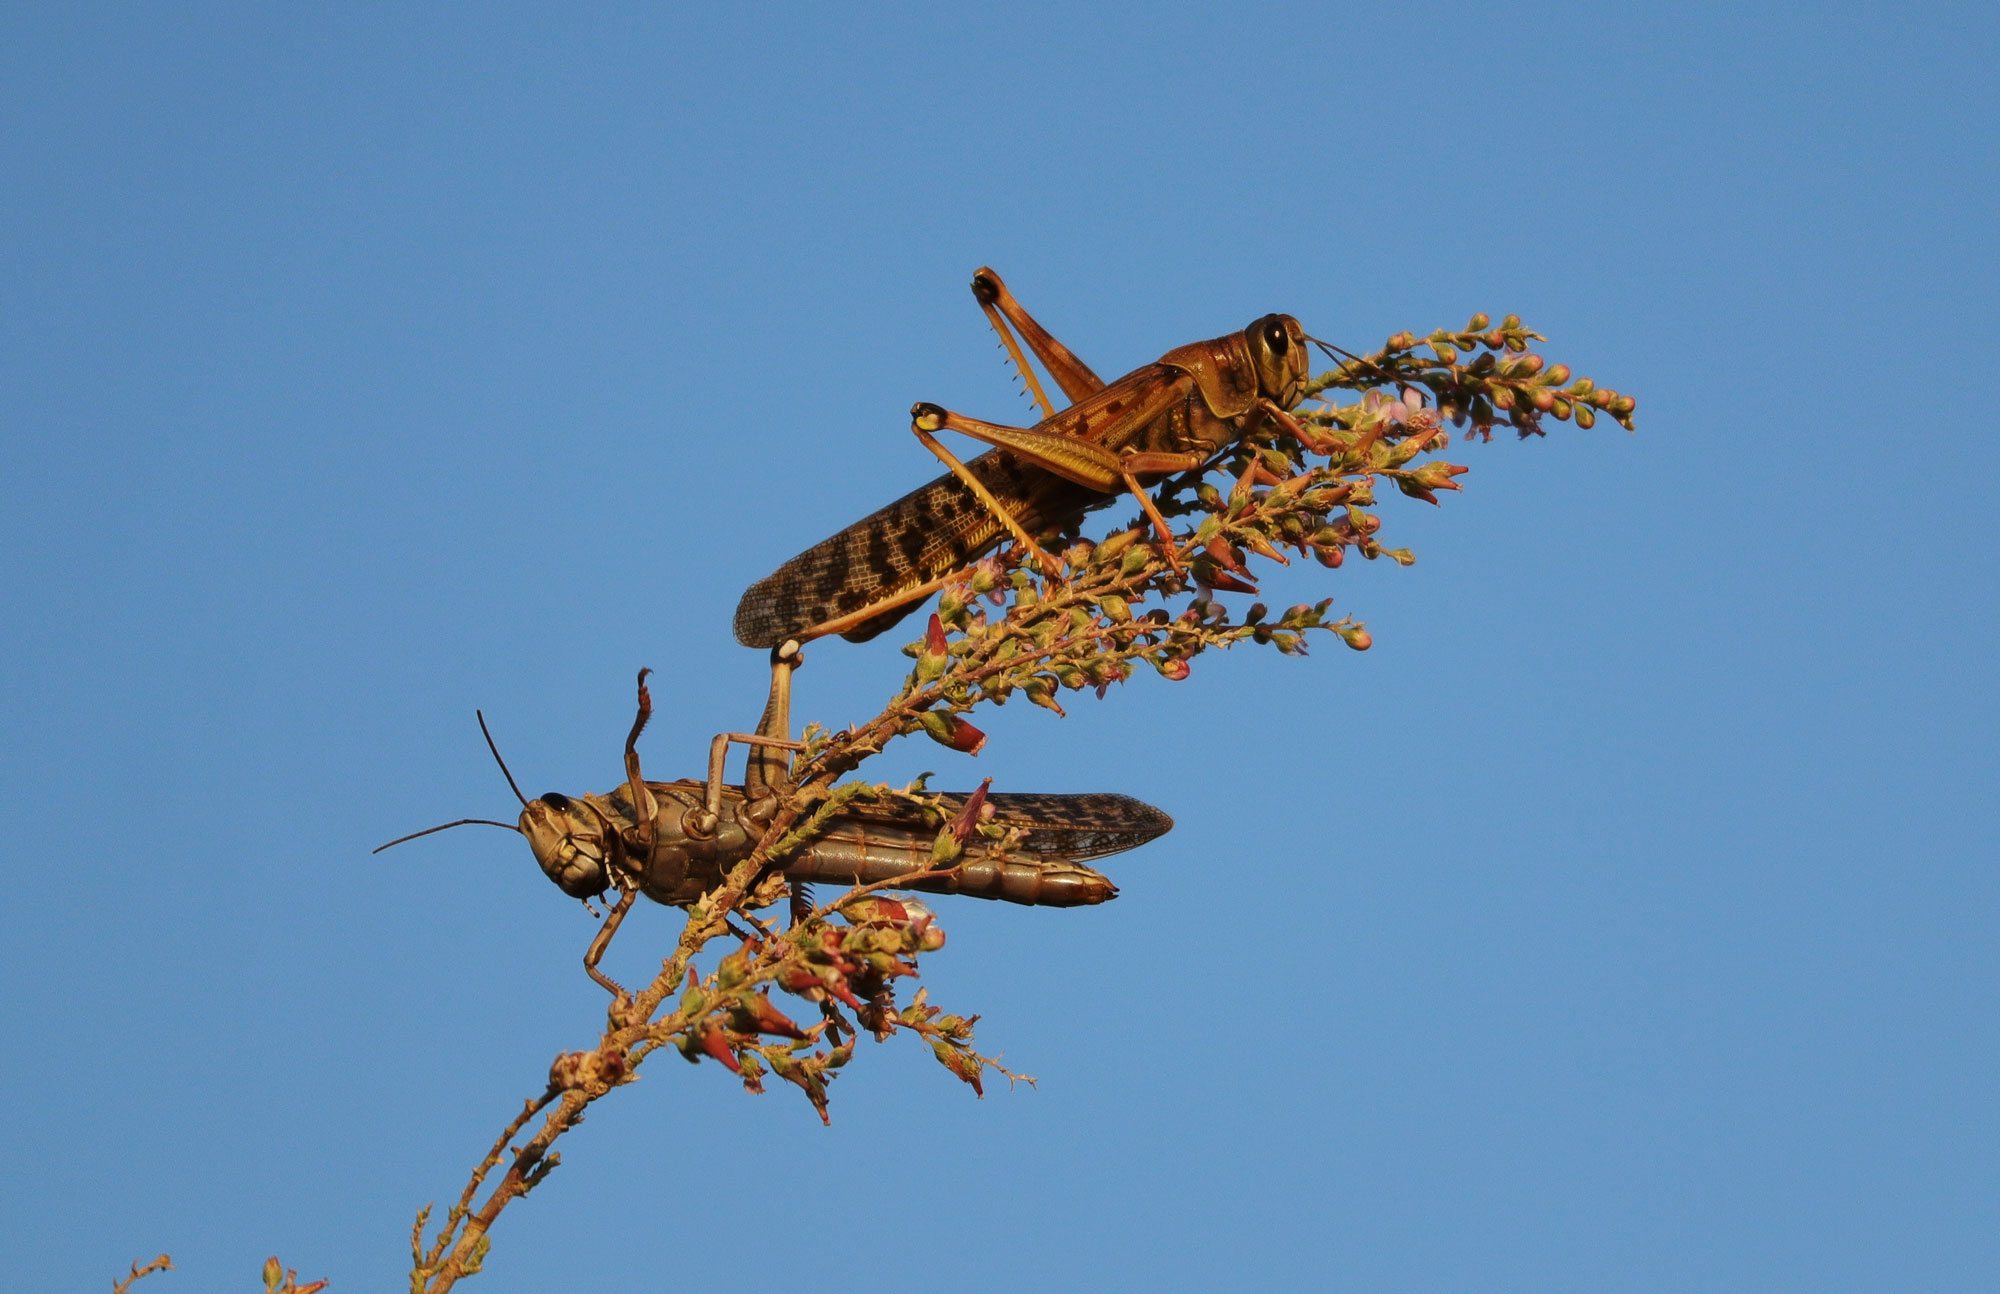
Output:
x=1277 y=344
x=570 y=840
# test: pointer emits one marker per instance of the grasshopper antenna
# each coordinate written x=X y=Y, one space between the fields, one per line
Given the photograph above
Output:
x=462 y=822
x=480 y=715
x=469 y=822
x=1336 y=354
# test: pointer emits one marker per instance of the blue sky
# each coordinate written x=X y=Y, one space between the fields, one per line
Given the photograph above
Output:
x=1624 y=919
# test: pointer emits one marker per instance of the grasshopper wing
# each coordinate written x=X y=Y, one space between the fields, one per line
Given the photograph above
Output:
x=876 y=842
x=1077 y=828
x=864 y=579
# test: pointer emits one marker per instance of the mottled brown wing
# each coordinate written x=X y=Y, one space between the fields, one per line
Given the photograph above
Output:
x=930 y=532
x=1076 y=827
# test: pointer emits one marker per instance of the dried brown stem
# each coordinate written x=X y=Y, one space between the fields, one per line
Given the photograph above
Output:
x=164 y=1263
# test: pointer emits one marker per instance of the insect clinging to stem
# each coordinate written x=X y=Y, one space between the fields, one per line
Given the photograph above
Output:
x=1177 y=414
x=675 y=841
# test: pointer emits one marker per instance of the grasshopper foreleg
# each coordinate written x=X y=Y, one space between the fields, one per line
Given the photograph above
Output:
x=595 y=953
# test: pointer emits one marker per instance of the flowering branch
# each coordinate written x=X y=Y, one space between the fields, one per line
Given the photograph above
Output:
x=1306 y=482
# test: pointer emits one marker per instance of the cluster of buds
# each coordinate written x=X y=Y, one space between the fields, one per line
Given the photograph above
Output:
x=950 y=1037
x=727 y=1018
x=1484 y=375
x=854 y=962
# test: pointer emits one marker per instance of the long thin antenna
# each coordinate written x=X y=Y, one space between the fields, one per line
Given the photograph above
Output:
x=496 y=759
x=462 y=822
x=1339 y=353
x=1335 y=353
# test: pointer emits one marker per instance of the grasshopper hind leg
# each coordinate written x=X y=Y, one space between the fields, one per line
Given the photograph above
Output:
x=770 y=767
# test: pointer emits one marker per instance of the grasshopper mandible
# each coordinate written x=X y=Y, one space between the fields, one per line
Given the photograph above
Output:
x=674 y=841
x=1173 y=415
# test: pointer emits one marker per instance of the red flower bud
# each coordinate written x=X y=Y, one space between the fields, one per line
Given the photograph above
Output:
x=717 y=1046
x=797 y=979
x=959 y=1063
x=970 y=816
x=876 y=909
x=761 y=1017
x=936 y=652
x=950 y=730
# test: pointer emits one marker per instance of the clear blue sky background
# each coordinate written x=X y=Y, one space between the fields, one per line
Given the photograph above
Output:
x=1626 y=919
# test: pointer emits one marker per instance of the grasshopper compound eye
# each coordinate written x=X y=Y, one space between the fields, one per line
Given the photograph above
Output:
x=569 y=845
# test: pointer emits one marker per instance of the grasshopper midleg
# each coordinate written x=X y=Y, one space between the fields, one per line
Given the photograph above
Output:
x=1173 y=415
x=674 y=841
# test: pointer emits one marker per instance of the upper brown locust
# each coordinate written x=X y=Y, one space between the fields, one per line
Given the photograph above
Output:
x=674 y=841
x=1173 y=415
